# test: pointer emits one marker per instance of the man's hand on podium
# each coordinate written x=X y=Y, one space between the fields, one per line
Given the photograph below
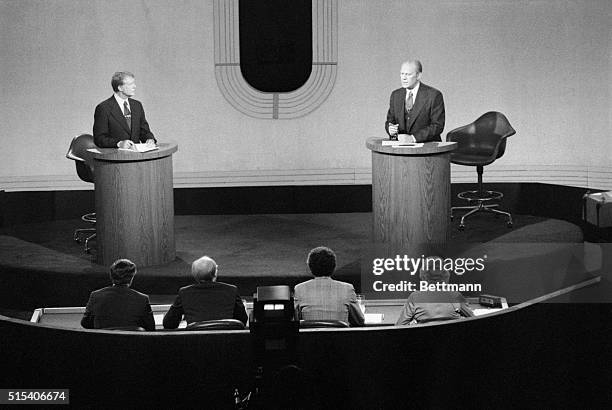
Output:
x=393 y=130
x=126 y=144
x=130 y=145
x=404 y=138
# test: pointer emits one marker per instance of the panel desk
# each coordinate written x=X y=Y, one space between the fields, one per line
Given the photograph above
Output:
x=385 y=312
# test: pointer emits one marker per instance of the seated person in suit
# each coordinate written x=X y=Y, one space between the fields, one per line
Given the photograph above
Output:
x=118 y=305
x=324 y=298
x=425 y=306
x=207 y=299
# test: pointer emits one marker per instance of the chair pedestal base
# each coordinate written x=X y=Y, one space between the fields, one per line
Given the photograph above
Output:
x=481 y=198
x=90 y=232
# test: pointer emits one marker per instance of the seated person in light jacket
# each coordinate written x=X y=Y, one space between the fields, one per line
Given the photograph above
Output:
x=324 y=298
x=118 y=305
x=425 y=306
x=207 y=299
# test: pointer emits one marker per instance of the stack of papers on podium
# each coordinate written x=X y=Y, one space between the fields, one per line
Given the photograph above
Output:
x=141 y=148
x=397 y=144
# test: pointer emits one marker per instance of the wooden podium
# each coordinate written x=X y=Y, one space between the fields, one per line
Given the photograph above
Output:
x=411 y=193
x=135 y=205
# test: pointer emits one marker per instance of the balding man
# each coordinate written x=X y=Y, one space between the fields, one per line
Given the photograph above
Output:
x=416 y=111
x=207 y=299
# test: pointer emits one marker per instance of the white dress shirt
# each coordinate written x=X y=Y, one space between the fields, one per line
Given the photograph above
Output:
x=414 y=90
x=120 y=101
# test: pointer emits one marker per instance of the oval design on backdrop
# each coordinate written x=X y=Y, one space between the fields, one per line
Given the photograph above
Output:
x=255 y=81
x=275 y=44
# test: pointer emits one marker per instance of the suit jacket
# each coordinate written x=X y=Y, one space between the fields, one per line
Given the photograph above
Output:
x=422 y=306
x=115 y=306
x=205 y=301
x=324 y=298
x=426 y=119
x=110 y=126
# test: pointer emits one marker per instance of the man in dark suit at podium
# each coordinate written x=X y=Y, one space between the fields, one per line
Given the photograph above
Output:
x=120 y=121
x=416 y=109
x=207 y=299
x=118 y=305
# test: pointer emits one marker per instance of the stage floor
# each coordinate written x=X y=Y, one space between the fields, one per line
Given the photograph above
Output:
x=41 y=266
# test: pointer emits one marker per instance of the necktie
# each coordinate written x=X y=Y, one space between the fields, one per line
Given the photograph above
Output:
x=409 y=102
x=127 y=114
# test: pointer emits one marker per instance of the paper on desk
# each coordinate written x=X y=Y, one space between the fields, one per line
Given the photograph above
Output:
x=374 y=317
x=485 y=311
x=159 y=321
x=398 y=144
x=158 y=318
x=402 y=144
x=141 y=148
x=605 y=196
x=408 y=145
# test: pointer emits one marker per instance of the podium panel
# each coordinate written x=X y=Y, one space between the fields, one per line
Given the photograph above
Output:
x=135 y=205
x=411 y=195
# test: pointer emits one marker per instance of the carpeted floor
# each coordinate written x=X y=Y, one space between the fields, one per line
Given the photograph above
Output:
x=44 y=267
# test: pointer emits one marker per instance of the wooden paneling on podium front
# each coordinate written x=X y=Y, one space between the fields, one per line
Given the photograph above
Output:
x=135 y=205
x=411 y=193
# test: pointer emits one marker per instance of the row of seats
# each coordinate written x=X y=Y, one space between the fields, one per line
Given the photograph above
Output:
x=233 y=324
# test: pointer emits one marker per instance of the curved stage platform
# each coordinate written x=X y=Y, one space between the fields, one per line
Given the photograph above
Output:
x=40 y=264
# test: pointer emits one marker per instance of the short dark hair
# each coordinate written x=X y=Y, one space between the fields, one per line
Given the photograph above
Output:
x=321 y=261
x=119 y=78
x=122 y=271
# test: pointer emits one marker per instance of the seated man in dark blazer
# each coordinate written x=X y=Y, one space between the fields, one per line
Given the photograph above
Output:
x=118 y=305
x=120 y=121
x=207 y=299
x=427 y=306
x=416 y=109
x=324 y=298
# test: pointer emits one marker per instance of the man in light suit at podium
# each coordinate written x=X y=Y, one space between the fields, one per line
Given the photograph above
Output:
x=416 y=109
x=120 y=121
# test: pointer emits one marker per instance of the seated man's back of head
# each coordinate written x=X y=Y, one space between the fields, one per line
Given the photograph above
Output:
x=118 y=305
x=324 y=298
x=207 y=299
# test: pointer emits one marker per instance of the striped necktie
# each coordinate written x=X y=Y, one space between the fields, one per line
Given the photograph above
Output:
x=409 y=102
x=127 y=114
